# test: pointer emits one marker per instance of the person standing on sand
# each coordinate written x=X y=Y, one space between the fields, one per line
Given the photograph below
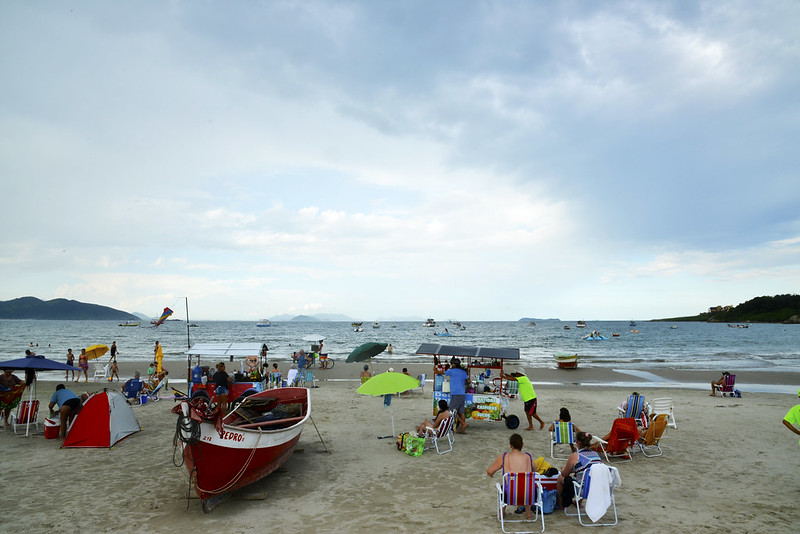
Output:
x=528 y=396
x=113 y=351
x=458 y=393
x=114 y=370
x=83 y=363
x=793 y=417
x=158 y=356
x=70 y=361
x=365 y=374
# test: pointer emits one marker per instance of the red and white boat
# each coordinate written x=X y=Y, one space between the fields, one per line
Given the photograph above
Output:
x=566 y=361
x=226 y=453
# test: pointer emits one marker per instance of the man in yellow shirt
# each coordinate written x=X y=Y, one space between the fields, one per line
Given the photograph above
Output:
x=793 y=418
x=528 y=396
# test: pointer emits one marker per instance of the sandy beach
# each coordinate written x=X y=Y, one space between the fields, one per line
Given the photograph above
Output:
x=730 y=464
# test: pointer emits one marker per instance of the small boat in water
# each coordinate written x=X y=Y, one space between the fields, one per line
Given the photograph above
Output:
x=430 y=323
x=376 y=324
x=581 y=324
x=595 y=336
x=223 y=454
x=263 y=323
x=130 y=323
x=566 y=360
x=566 y=327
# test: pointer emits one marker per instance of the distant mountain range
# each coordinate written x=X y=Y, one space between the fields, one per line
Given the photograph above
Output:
x=33 y=308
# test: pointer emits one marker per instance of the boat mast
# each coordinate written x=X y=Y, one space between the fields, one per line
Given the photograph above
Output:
x=188 y=356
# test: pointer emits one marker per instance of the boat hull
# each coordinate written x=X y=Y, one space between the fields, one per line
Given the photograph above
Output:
x=222 y=463
x=566 y=361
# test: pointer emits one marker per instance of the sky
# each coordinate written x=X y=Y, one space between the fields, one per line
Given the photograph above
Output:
x=456 y=160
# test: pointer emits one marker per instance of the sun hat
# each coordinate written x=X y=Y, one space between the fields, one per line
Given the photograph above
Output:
x=391 y=370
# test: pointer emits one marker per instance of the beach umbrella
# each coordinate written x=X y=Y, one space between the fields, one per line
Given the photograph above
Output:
x=365 y=352
x=33 y=363
x=388 y=383
x=95 y=351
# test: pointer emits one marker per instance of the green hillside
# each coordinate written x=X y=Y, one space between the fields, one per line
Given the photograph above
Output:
x=777 y=309
x=33 y=308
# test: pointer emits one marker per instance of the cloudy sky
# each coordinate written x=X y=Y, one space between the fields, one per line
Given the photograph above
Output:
x=462 y=160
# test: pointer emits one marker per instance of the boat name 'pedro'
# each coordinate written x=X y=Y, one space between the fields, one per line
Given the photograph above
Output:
x=231 y=436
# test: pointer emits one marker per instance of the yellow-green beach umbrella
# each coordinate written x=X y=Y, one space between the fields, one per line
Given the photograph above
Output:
x=388 y=383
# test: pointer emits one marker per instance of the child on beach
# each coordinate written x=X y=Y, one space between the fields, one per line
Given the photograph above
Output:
x=114 y=371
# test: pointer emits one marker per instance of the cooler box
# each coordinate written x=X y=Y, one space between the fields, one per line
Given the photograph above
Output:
x=143 y=399
x=51 y=429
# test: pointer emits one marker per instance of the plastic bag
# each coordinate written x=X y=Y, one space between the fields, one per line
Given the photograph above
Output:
x=549 y=500
x=414 y=445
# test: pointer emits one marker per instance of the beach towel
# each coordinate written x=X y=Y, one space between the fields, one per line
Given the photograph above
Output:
x=10 y=399
x=599 y=497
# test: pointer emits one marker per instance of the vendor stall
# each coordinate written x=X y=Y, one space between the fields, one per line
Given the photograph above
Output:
x=488 y=395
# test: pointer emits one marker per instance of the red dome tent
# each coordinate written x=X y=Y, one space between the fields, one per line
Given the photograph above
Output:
x=105 y=419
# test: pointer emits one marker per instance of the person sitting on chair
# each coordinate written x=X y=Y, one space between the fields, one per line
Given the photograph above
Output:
x=133 y=386
x=9 y=381
x=576 y=466
x=564 y=417
x=365 y=374
x=718 y=384
x=68 y=404
x=514 y=461
x=444 y=413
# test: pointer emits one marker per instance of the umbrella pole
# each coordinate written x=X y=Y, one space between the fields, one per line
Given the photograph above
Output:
x=391 y=409
x=30 y=402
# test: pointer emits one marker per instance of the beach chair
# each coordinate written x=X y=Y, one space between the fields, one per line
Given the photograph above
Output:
x=153 y=393
x=444 y=432
x=292 y=378
x=27 y=415
x=275 y=379
x=519 y=489
x=596 y=501
x=650 y=443
x=421 y=387
x=727 y=387
x=562 y=434
x=621 y=440
x=308 y=379
x=664 y=405
x=132 y=390
x=634 y=408
x=511 y=388
x=100 y=372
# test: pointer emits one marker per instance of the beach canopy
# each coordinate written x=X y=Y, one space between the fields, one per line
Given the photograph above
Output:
x=468 y=352
x=105 y=419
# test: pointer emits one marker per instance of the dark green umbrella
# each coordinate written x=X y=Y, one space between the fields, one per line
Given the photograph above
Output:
x=365 y=352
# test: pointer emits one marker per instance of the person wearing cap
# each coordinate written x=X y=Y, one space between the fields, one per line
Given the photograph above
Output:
x=458 y=393
x=528 y=396
x=793 y=417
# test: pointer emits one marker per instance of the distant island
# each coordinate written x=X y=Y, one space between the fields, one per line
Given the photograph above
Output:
x=60 y=309
x=778 y=309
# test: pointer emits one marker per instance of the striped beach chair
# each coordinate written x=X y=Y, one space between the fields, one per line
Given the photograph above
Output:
x=562 y=434
x=444 y=432
x=519 y=489
x=727 y=387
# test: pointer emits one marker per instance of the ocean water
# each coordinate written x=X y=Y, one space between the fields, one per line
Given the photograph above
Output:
x=690 y=346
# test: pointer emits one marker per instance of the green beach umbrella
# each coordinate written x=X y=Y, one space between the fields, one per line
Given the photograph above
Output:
x=388 y=383
x=365 y=352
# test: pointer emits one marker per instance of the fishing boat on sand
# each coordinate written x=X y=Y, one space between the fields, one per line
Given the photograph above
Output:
x=226 y=452
x=566 y=360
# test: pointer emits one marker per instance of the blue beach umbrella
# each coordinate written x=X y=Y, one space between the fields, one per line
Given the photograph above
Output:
x=32 y=363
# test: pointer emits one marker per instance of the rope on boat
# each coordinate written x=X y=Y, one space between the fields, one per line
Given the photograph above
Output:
x=237 y=476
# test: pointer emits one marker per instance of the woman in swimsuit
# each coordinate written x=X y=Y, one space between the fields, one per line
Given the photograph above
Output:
x=83 y=363
x=577 y=463
x=514 y=461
